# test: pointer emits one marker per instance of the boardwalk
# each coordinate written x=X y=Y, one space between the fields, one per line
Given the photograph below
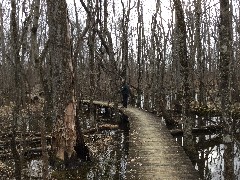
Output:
x=153 y=152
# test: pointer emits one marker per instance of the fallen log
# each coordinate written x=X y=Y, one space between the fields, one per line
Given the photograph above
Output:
x=7 y=135
x=101 y=128
x=207 y=130
x=29 y=140
x=32 y=152
x=209 y=143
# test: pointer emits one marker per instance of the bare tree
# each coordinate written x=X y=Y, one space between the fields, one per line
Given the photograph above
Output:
x=225 y=59
x=140 y=30
x=185 y=72
x=91 y=47
x=3 y=54
x=63 y=95
x=125 y=43
x=17 y=79
x=225 y=54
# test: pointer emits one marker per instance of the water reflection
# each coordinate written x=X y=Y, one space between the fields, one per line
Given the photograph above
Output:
x=109 y=150
x=109 y=161
x=218 y=157
x=217 y=160
x=109 y=156
x=218 y=154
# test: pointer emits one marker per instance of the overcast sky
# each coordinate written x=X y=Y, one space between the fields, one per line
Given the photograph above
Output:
x=149 y=7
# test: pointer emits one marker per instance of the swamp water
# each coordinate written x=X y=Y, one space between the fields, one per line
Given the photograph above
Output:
x=109 y=152
x=219 y=161
x=218 y=154
x=108 y=149
x=109 y=158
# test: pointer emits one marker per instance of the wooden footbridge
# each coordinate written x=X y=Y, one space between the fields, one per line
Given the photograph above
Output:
x=153 y=152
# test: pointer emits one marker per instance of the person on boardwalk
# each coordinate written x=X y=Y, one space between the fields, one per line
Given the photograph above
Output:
x=125 y=93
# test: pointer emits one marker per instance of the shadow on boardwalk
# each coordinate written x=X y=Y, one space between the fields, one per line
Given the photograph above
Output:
x=153 y=152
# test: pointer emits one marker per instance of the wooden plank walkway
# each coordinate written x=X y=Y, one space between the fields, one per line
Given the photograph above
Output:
x=153 y=152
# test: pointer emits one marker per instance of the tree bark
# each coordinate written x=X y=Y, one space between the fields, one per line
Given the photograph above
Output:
x=63 y=95
x=139 y=53
x=228 y=156
x=3 y=66
x=225 y=54
x=185 y=72
x=225 y=59
x=124 y=27
x=16 y=110
x=91 y=41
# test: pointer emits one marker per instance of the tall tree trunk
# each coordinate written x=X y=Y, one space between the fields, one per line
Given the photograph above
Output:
x=225 y=54
x=91 y=40
x=152 y=63
x=3 y=68
x=198 y=46
x=63 y=95
x=177 y=92
x=124 y=27
x=34 y=28
x=200 y=58
x=225 y=59
x=2 y=41
x=228 y=157
x=185 y=72
x=16 y=110
x=139 y=53
x=35 y=60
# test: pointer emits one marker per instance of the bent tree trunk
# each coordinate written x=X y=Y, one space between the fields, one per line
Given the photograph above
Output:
x=63 y=96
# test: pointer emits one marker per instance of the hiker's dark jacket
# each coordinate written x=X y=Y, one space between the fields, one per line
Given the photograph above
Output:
x=125 y=90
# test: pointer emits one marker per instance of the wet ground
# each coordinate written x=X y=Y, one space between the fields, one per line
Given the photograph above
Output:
x=120 y=154
x=109 y=154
